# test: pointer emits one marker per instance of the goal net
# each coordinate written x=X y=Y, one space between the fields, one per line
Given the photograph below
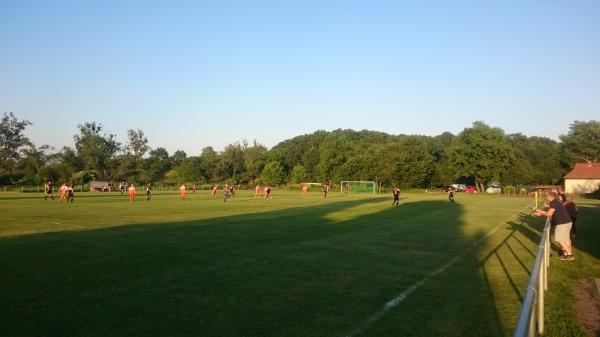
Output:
x=358 y=187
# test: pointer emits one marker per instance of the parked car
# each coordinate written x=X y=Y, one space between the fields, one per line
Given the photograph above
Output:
x=471 y=189
x=494 y=188
x=459 y=187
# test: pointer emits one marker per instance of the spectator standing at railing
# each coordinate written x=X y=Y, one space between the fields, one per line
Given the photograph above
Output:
x=561 y=195
x=572 y=209
x=561 y=220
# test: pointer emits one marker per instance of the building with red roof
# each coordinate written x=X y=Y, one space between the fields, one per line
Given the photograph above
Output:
x=583 y=178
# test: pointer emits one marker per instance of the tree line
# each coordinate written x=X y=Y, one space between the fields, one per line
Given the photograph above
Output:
x=478 y=155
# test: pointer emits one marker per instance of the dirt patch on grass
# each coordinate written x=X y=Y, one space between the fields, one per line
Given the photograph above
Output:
x=587 y=305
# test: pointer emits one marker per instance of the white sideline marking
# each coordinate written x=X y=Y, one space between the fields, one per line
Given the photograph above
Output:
x=403 y=295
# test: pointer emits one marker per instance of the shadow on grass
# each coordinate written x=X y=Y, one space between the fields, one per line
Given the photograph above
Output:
x=588 y=230
x=479 y=296
x=289 y=272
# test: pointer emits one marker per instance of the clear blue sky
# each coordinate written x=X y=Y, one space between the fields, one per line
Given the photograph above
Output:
x=193 y=74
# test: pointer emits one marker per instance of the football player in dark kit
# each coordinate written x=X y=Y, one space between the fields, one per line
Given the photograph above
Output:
x=325 y=190
x=70 y=193
x=396 y=193
x=451 y=195
x=148 y=192
x=48 y=190
x=226 y=192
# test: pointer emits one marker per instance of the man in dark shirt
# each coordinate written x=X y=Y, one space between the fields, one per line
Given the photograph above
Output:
x=562 y=196
x=572 y=209
x=562 y=222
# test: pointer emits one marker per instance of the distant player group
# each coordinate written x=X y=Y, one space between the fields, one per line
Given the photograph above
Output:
x=228 y=191
x=262 y=192
x=131 y=190
x=67 y=192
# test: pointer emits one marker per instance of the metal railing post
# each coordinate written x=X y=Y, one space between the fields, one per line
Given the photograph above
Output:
x=540 y=304
x=548 y=246
x=531 y=332
x=547 y=256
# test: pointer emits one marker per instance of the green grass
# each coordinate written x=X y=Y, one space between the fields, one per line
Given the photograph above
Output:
x=287 y=266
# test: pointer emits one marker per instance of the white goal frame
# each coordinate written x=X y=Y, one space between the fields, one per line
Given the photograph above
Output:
x=358 y=181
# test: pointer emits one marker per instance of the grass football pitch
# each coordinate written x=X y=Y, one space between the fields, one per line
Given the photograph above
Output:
x=286 y=266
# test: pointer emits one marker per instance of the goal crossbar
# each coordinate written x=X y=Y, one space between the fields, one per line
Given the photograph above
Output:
x=312 y=184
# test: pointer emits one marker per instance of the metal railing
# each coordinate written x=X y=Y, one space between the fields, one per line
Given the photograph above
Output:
x=531 y=318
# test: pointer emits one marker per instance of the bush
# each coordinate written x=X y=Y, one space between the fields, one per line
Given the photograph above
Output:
x=273 y=173
x=299 y=174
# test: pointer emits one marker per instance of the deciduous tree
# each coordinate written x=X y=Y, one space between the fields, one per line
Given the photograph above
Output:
x=481 y=152
x=583 y=141
x=96 y=148
x=272 y=174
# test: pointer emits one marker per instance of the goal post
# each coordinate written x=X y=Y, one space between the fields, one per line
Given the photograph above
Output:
x=349 y=186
